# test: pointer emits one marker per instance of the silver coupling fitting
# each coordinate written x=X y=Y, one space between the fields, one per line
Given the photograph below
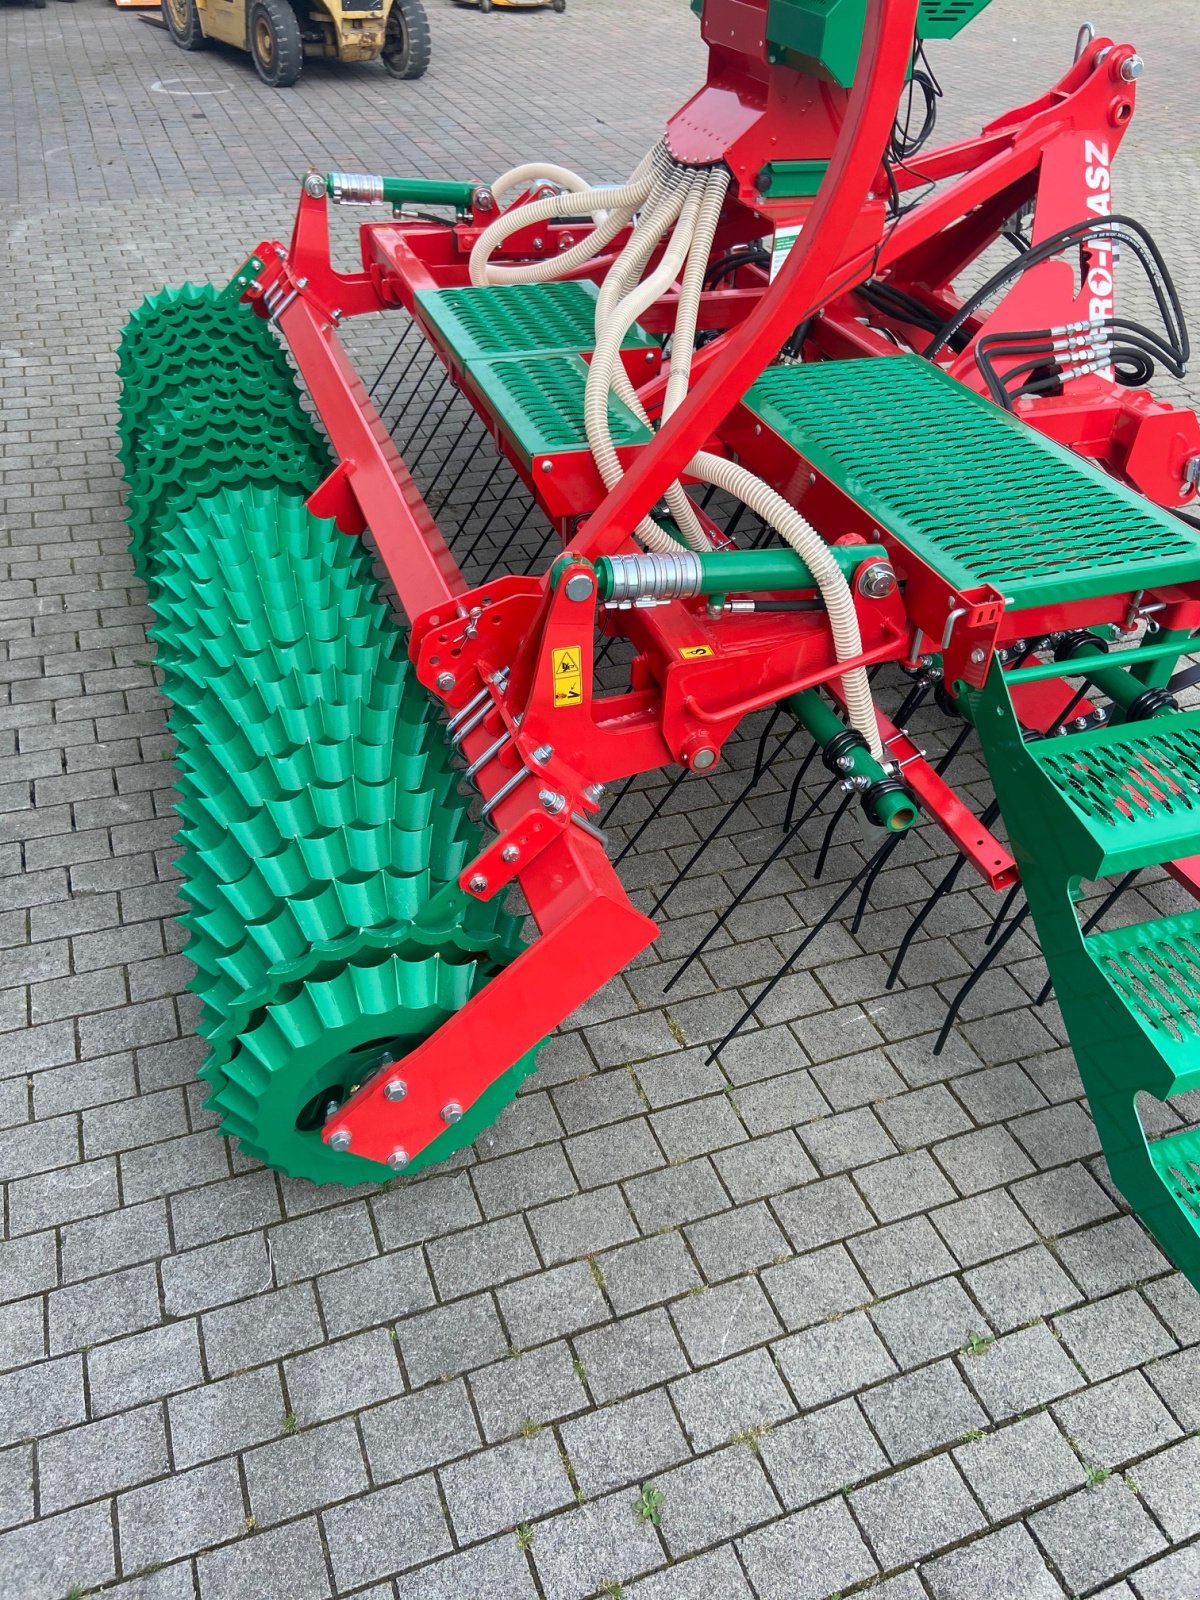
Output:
x=355 y=188
x=674 y=576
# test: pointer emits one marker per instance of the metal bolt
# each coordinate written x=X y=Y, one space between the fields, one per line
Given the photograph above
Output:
x=340 y=1140
x=877 y=580
x=978 y=657
x=844 y=763
x=703 y=759
x=398 y=1159
x=547 y=464
x=510 y=853
x=452 y=1111
x=594 y=792
x=477 y=884
x=483 y=199
x=543 y=753
x=552 y=801
x=537 y=244
x=1132 y=69
x=445 y=681
x=580 y=586
x=314 y=186
x=395 y=1089
x=336 y=315
x=1191 y=473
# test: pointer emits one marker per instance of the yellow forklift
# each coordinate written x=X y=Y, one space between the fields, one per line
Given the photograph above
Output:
x=279 y=34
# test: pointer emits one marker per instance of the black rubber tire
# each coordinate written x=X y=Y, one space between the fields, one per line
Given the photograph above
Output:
x=183 y=24
x=276 y=47
x=406 y=45
x=485 y=5
x=558 y=5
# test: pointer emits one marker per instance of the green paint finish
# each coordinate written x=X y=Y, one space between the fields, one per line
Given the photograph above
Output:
x=514 y=318
x=896 y=812
x=826 y=35
x=792 y=180
x=971 y=490
x=538 y=402
x=422 y=192
x=322 y=828
x=1131 y=999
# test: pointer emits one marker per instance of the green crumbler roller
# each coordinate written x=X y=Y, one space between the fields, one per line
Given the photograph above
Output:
x=323 y=831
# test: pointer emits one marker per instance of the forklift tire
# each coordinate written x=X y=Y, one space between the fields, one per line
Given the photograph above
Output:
x=275 y=44
x=558 y=5
x=485 y=5
x=406 y=42
x=183 y=24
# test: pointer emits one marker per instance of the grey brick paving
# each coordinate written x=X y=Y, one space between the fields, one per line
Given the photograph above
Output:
x=899 y=1281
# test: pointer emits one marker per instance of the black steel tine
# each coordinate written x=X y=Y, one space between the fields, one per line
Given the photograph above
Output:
x=449 y=494
x=735 y=519
x=794 y=792
x=442 y=382
x=707 y=496
x=976 y=974
x=1101 y=910
x=436 y=429
x=652 y=815
x=943 y=888
x=880 y=860
x=383 y=369
x=761 y=752
x=411 y=361
x=909 y=704
x=606 y=647
x=823 y=921
x=714 y=831
x=494 y=513
x=537 y=554
x=506 y=545
x=956 y=744
x=1072 y=705
x=619 y=796
x=760 y=538
x=759 y=872
x=839 y=811
x=1001 y=916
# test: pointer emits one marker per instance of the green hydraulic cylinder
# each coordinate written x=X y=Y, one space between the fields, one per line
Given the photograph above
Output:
x=685 y=573
x=366 y=189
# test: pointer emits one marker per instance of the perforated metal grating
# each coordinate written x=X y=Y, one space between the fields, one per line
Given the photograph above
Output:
x=506 y=319
x=973 y=491
x=1178 y=1161
x=1155 y=969
x=539 y=404
x=1135 y=787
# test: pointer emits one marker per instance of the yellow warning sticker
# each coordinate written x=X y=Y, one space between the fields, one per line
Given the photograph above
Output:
x=567 y=665
x=693 y=652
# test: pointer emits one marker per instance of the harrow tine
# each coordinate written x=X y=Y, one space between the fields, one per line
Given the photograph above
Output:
x=443 y=381
x=839 y=811
x=384 y=368
x=718 y=825
x=1001 y=916
x=794 y=792
x=758 y=874
x=974 y=977
x=1101 y=910
x=396 y=387
x=943 y=888
x=823 y=922
x=537 y=554
x=503 y=548
x=911 y=702
x=619 y=796
x=761 y=753
x=445 y=462
x=435 y=430
x=879 y=861
x=651 y=816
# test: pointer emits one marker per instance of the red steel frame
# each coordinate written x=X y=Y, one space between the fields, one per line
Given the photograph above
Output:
x=488 y=652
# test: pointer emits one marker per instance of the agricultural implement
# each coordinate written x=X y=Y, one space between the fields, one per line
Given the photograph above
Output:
x=777 y=463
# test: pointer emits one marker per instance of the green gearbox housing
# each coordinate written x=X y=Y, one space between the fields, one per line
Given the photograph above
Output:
x=826 y=35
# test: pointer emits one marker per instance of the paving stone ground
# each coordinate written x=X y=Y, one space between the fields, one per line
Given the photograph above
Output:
x=829 y=1314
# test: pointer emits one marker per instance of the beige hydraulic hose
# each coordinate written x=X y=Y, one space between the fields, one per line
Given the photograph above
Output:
x=618 y=206
x=683 y=340
x=534 y=172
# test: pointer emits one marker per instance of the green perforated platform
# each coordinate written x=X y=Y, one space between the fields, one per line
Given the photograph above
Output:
x=973 y=491
x=539 y=404
x=508 y=319
x=1155 y=969
x=1134 y=788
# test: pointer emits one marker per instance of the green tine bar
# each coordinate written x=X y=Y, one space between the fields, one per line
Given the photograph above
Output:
x=1080 y=667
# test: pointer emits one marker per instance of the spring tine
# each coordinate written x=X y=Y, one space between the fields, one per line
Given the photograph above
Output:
x=493 y=514
x=503 y=549
x=441 y=384
x=794 y=793
x=715 y=829
x=707 y=496
x=943 y=888
x=956 y=744
x=761 y=537
x=839 y=811
x=761 y=752
x=1071 y=708
x=880 y=860
x=437 y=427
x=823 y=922
x=618 y=797
x=651 y=816
x=1101 y=910
x=396 y=386
x=537 y=554
x=735 y=519
x=388 y=362
x=446 y=460
x=1001 y=916
x=974 y=977
x=910 y=703
x=759 y=872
